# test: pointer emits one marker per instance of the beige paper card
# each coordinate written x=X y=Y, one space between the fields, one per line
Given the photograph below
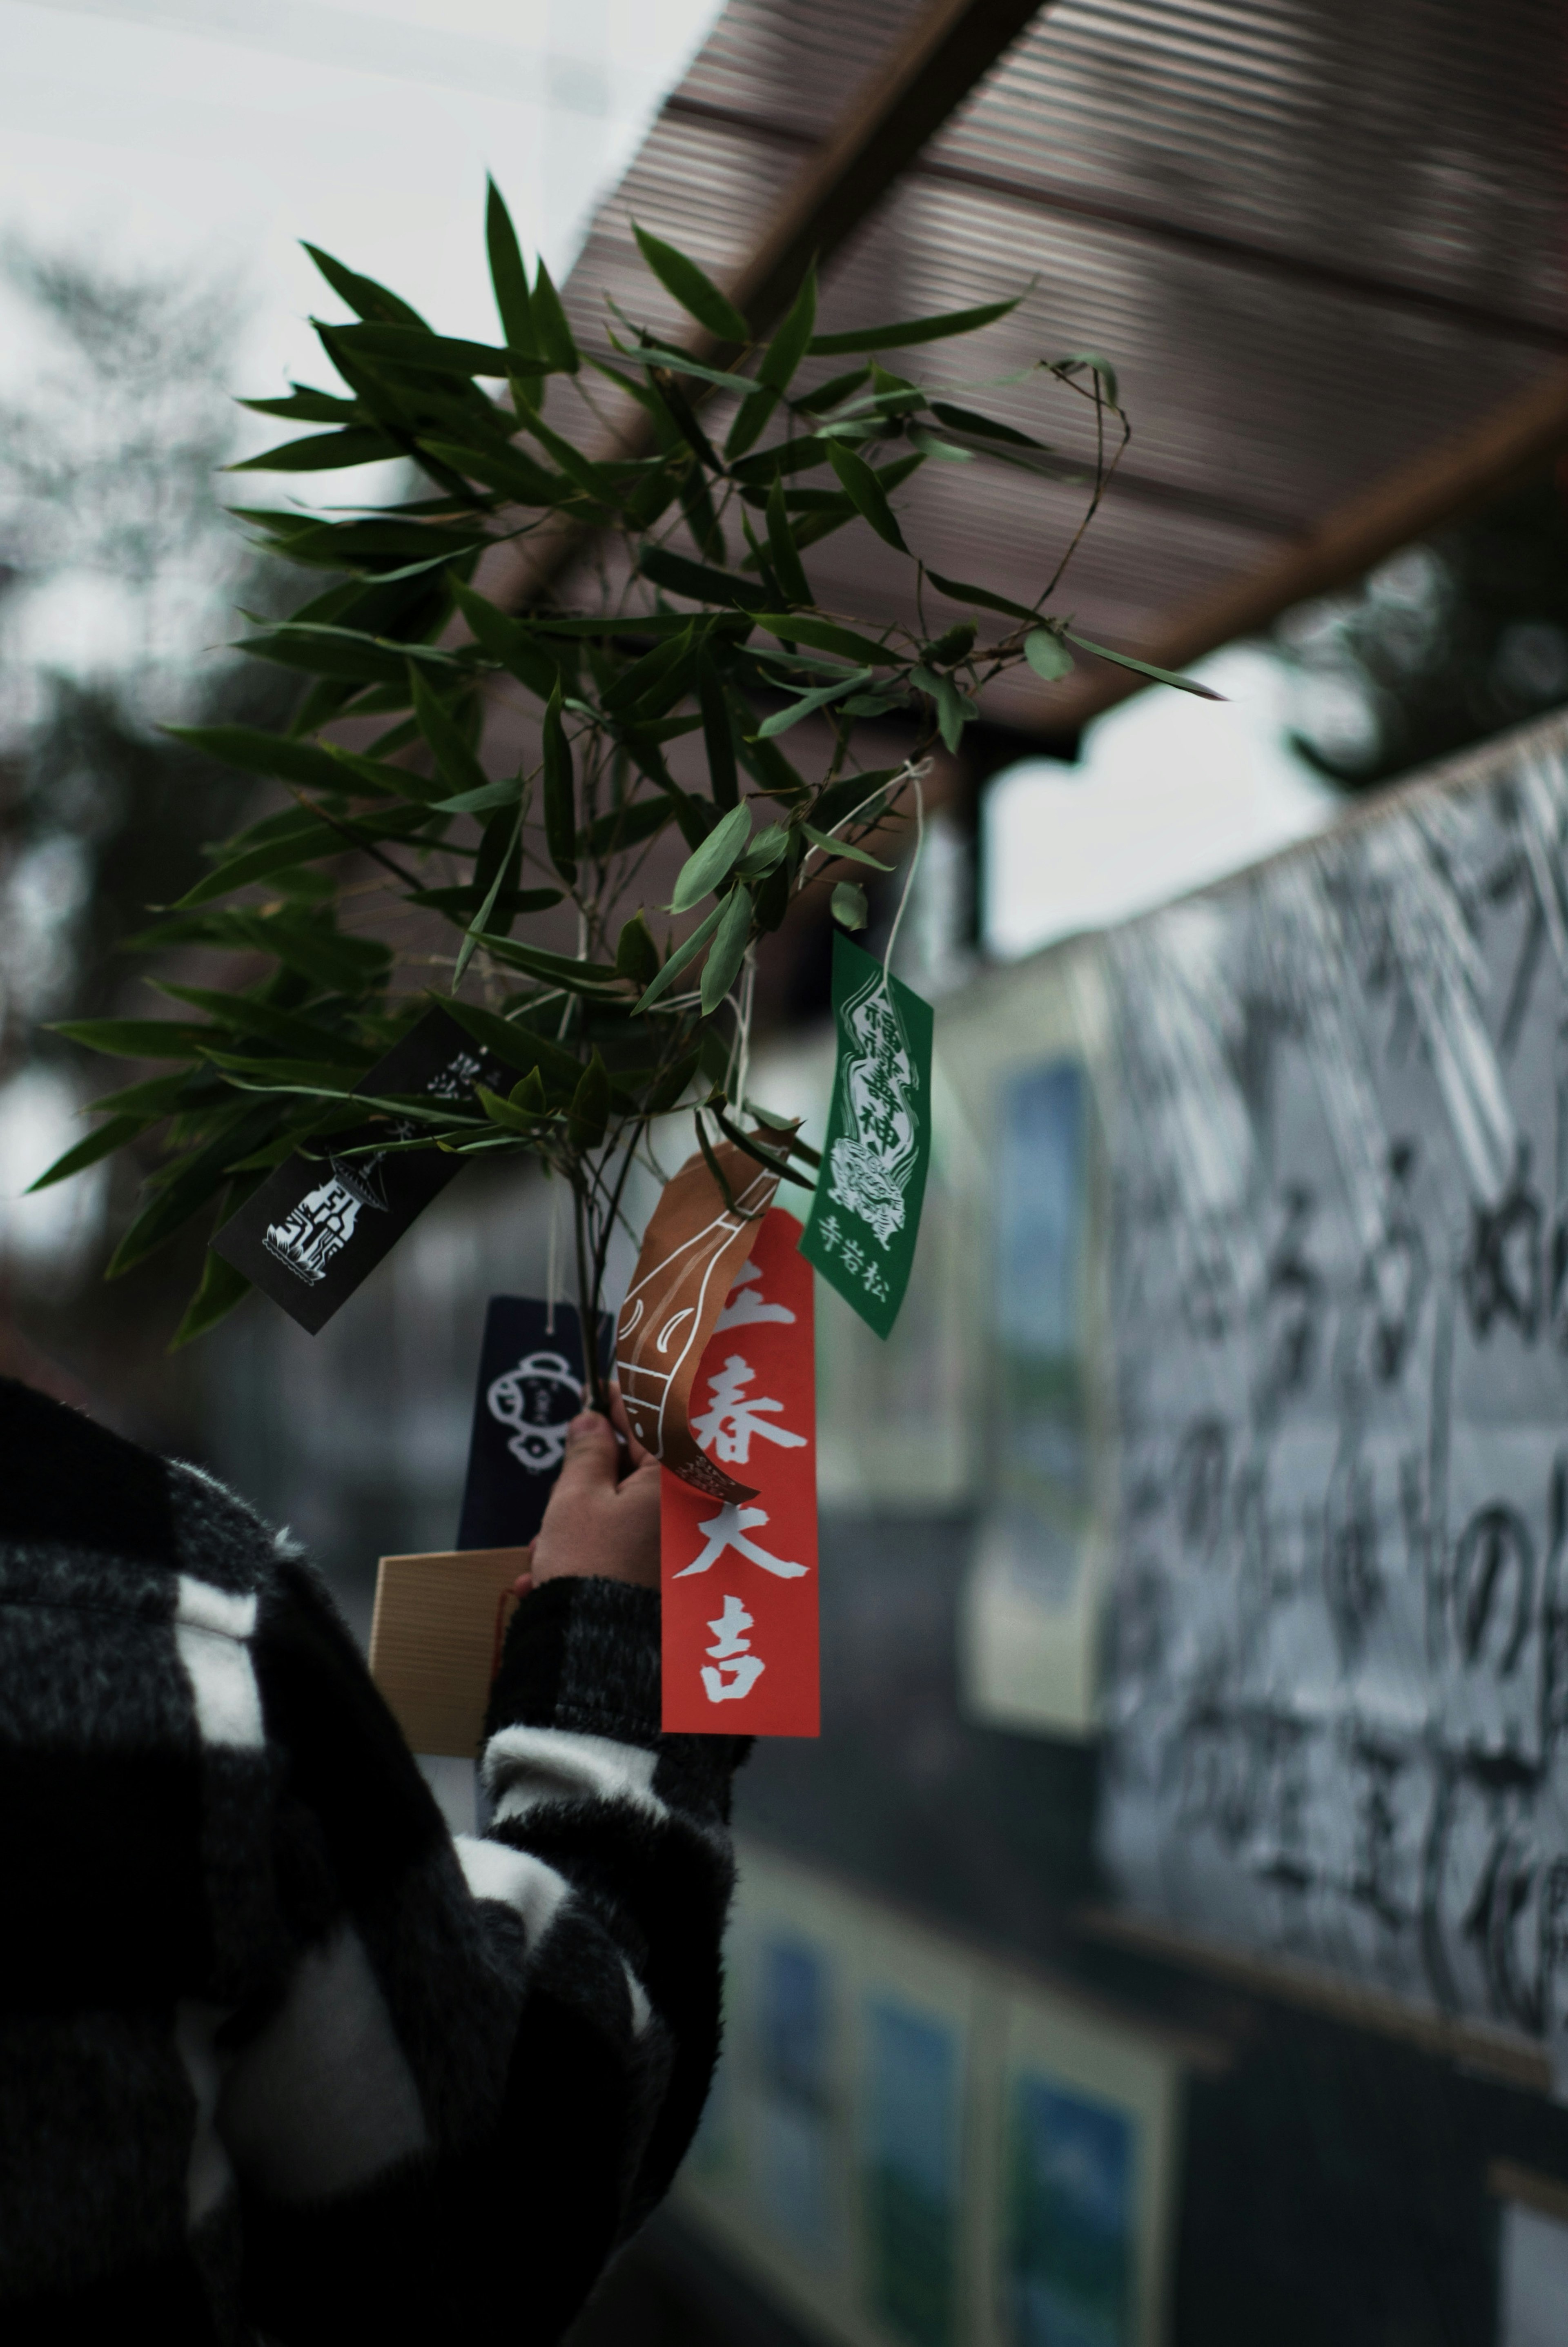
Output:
x=436 y=1641
x=694 y=1250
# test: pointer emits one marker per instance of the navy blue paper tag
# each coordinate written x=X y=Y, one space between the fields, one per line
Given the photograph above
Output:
x=532 y=1384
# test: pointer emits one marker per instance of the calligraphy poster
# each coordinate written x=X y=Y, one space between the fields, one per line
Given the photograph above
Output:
x=1339 y=1686
x=865 y=1216
x=739 y=1578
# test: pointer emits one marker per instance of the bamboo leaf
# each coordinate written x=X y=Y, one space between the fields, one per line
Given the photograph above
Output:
x=717 y=739
x=1145 y=668
x=982 y=597
x=826 y=636
x=220 y=1288
x=560 y=804
x=698 y=582
x=481 y=920
x=508 y=277
x=364 y=297
x=728 y=950
x=455 y=764
x=109 y=1136
x=693 y=288
x=849 y=906
x=786 y=555
x=866 y=493
x=833 y=847
x=589 y=1111
x=708 y=864
x=552 y=334
x=1096 y=365
x=135 y=1039
x=517 y=1046
x=1047 y=654
x=324 y=452
x=507 y=640
x=912 y=330
x=686 y=951
x=417 y=347
x=508 y=469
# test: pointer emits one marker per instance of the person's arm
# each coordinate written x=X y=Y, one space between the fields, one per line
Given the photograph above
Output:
x=489 y=2056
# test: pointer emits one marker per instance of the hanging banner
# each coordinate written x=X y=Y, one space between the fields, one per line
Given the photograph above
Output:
x=533 y=1380
x=694 y=1250
x=739 y=1577
x=318 y=1226
x=865 y=1216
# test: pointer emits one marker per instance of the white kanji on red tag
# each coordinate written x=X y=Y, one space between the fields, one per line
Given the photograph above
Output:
x=734 y=1670
x=733 y=1417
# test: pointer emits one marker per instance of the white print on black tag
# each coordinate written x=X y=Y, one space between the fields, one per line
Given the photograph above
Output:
x=746 y=1303
x=322 y=1223
x=728 y=1530
x=734 y=1670
x=734 y=1416
x=457 y=1078
x=871 y=1162
x=539 y=1398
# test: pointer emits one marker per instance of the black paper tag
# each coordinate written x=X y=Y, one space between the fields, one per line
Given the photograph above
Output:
x=318 y=1226
x=532 y=1384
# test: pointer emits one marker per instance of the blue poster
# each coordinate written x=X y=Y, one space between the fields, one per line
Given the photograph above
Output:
x=1071 y=2200
x=794 y=2111
x=910 y=2181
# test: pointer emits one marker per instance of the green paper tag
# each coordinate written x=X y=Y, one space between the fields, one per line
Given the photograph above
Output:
x=863 y=1220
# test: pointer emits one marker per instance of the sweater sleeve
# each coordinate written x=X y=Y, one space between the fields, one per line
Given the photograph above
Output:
x=482 y=2059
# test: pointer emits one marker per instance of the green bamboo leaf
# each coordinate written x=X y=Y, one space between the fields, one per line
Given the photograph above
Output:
x=698 y=582
x=982 y=597
x=693 y=288
x=843 y=847
x=866 y=493
x=1047 y=654
x=625 y=826
x=912 y=330
x=1145 y=667
x=220 y=1289
x=560 y=797
x=826 y=636
x=417 y=347
x=529 y=1094
x=456 y=763
x=849 y=906
x=187 y=1186
x=589 y=1111
x=985 y=427
x=781 y=720
x=135 y=1039
x=710 y=864
x=502 y=1113
x=728 y=950
x=292 y=1031
x=518 y=650
x=650 y=352
x=364 y=297
x=552 y=334
x=516 y=1045
x=954 y=709
x=508 y=469
x=786 y=555
x=305 y=405
x=716 y=737
x=508 y=276
x=324 y=452
x=481 y=920
x=108 y=1137
x=556 y=970
x=686 y=951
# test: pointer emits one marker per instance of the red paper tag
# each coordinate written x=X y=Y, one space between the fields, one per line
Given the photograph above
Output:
x=740 y=1580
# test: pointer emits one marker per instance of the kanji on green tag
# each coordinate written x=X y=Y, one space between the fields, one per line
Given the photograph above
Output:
x=862 y=1227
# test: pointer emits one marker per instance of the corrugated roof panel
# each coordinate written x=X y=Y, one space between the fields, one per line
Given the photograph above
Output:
x=1314 y=240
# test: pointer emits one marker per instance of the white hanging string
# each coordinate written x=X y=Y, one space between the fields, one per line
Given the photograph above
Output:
x=909 y=875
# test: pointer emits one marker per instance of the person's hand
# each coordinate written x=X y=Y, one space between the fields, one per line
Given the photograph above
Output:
x=603 y=1514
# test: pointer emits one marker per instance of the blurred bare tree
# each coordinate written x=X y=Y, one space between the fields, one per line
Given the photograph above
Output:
x=118 y=576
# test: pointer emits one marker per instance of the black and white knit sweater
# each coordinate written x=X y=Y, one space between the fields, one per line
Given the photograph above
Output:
x=279 y=2059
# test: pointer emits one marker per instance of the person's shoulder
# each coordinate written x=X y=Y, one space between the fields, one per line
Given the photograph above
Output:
x=76 y=1489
